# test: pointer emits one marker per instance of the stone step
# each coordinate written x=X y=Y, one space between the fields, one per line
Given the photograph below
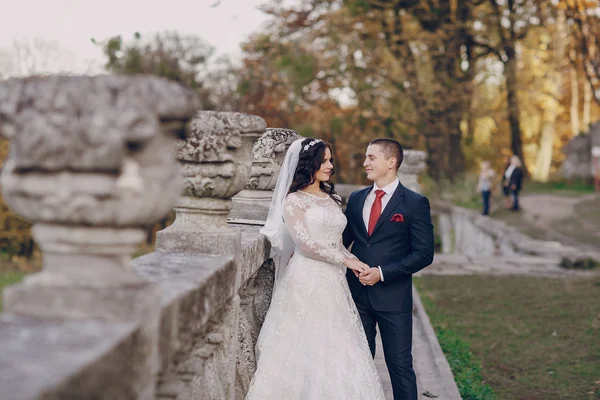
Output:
x=514 y=260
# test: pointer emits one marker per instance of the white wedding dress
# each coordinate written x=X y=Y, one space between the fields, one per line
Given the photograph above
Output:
x=312 y=345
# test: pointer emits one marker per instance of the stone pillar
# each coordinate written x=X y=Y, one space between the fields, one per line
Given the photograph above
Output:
x=216 y=162
x=412 y=166
x=89 y=165
x=251 y=205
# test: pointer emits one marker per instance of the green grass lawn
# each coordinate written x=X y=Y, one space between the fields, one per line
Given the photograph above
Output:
x=518 y=338
x=8 y=278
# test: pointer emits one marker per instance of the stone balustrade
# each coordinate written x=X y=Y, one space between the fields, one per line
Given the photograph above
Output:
x=251 y=205
x=412 y=166
x=467 y=232
x=93 y=161
x=89 y=166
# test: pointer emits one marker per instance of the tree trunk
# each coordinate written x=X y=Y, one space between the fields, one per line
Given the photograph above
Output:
x=574 y=113
x=514 y=113
x=587 y=104
x=456 y=157
x=546 y=147
x=443 y=140
x=436 y=153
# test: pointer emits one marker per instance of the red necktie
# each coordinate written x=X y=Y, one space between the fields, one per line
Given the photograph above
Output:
x=375 y=210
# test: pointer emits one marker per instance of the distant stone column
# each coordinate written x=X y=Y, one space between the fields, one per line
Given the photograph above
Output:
x=251 y=205
x=412 y=166
x=90 y=165
x=216 y=161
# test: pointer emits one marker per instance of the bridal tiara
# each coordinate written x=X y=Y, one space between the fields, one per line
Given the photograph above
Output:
x=312 y=143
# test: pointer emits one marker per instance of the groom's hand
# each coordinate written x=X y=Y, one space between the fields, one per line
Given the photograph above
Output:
x=370 y=276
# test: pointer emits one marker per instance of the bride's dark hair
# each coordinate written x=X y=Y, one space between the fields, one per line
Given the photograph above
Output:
x=309 y=162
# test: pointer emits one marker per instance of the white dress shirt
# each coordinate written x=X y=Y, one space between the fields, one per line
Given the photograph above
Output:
x=389 y=191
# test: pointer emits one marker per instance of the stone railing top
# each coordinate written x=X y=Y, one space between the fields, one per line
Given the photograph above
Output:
x=212 y=133
x=412 y=156
x=413 y=163
x=84 y=123
x=274 y=140
x=268 y=153
x=87 y=354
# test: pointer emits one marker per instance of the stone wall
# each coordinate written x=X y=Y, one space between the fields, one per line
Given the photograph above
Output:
x=578 y=151
x=469 y=233
x=90 y=166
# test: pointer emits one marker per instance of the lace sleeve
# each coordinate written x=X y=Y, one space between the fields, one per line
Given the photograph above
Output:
x=294 y=216
x=346 y=253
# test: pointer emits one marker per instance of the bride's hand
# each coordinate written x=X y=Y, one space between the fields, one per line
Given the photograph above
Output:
x=356 y=265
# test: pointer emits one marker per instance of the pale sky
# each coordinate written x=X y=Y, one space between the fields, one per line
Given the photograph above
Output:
x=72 y=23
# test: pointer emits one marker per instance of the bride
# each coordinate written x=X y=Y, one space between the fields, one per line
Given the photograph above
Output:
x=312 y=345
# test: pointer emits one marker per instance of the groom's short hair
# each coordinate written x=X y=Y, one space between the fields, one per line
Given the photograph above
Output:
x=390 y=148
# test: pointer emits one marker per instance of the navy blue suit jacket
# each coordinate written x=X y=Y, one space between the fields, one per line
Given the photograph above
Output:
x=399 y=248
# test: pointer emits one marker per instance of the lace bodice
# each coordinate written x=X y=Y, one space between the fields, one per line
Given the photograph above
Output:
x=316 y=224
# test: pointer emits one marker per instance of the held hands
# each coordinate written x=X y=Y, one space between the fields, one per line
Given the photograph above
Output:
x=370 y=276
x=365 y=274
x=356 y=265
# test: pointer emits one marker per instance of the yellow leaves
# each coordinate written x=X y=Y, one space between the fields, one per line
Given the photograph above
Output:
x=579 y=5
x=483 y=130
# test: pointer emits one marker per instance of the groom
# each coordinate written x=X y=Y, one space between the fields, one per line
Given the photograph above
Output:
x=391 y=231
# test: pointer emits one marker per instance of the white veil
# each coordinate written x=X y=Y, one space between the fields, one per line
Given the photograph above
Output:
x=282 y=244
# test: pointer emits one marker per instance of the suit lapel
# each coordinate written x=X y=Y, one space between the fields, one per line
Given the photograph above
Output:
x=396 y=199
x=359 y=210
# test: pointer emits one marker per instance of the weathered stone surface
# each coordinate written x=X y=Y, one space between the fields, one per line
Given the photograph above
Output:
x=257 y=274
x=578 y=151
x=90 y=181
x=91 y=150
x=595 y=134
x=431 y=367
x=255 y=250
x=198 y=333
x=578 y=161
x=214 y=134
x=85 y=123
x=61 y=359
x=251 y=205
x=472 y=234
x=412 y=166
x=268 y=153
x=548 y=267
x=216 y=160
x=90 y=166
x=208 y=332
x=255 y=301
x=344 y=190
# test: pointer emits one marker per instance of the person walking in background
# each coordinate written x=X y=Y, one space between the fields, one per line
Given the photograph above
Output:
x=485 y=185
x=506 y=185
x=514 y=175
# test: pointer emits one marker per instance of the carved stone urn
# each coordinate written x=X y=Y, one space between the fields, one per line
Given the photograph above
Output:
x=91 y=166
x=412 y=166
x=251 y=205
x=216 y=161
